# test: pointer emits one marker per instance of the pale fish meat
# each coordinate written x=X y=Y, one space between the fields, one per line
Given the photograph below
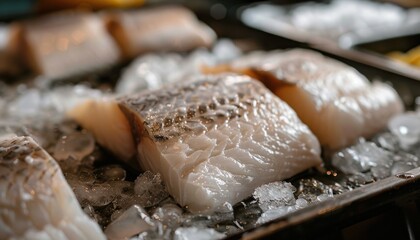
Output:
x=168 y=28
x=65 y=44
x=36 y=201
x=213 y=140
x=337 y=102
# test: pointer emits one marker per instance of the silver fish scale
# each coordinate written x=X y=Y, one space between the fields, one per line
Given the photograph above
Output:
x=194 y=107
x=21 y=157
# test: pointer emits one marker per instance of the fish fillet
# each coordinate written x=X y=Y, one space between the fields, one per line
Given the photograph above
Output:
x=213 y=140
x=337 y=102
x=36 y=201
x=65 y=44
x=159 y=29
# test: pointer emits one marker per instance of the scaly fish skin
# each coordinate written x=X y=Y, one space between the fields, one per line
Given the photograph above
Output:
x=36 y=201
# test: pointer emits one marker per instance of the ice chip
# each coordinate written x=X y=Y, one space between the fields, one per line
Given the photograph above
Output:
x=406 y=127
x=225 y=50
x=133 y=221
x=323 y=197
x=387 y=141
x=28 y=104
x=361 y=158
x=96 y=195
x=301 y=203
x=169 y=215
x=275 y=213
x=110 y=173
x=274 y=195
x=310 y=189
x=76 y=145
x=194 y=233
x=149 y=186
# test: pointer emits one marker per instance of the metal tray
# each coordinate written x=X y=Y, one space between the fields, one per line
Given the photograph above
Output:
x=388 y=208
x=340 y=48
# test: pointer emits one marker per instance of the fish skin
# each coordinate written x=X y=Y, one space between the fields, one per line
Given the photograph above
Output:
x=36 y=201
x=216 y=139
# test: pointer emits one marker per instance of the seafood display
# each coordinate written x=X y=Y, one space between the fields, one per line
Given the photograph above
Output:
x=147 y=30
x=337 y=103
x=36 y=201
x=212 y=140
x=140 y=124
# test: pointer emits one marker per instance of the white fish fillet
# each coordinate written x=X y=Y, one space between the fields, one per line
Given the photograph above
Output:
x=66 y=44
x=169 y=28
x=35 y=200
x=337 y=103
x=213 y=141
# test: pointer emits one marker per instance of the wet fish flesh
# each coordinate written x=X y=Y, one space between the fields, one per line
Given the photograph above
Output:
x=35 y=200
x=65 y=44
x=213 y=140
x=337 y=102
x=159 y=29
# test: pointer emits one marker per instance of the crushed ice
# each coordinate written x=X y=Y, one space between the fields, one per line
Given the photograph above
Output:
x=152 y=71
x=388 y=153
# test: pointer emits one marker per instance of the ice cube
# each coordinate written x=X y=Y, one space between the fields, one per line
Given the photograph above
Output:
x=133 y=221
x=274 y=195
x=360 y=179
x=275 y=213
x=361 y=158
x=96 y=195
x=110 y=173
x=225 y=50
x=76 y=145
x=194 y=233
x=150 y=187
x=301 y=203
x=28 y=104
x=388 y=141
x=169 y=214
x=323 y=197
x=310 y=189
x=406 y=127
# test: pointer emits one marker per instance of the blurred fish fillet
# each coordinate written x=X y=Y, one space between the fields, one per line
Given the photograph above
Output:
x=337 y=102
x=69 y=43
x=169 y=28
x=36 y=201
x=213 y=140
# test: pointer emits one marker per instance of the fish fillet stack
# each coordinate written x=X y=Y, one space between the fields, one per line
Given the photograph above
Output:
x=213 y=140
x=337 y=102
x=35 y=200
